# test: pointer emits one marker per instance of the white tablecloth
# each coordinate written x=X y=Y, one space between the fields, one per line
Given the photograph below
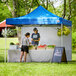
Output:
x=33 y=56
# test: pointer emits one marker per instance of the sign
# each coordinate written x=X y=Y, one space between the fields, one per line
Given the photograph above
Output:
x=59 y=55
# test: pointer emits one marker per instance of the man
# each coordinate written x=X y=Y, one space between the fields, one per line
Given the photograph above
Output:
x=25 y=46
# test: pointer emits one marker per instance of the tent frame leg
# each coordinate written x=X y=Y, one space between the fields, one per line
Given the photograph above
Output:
x=61 y=35
x=5 y=42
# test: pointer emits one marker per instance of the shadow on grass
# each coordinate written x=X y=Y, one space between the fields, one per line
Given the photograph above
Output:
x=1 y=59
x=74 y=51
x=72 y=62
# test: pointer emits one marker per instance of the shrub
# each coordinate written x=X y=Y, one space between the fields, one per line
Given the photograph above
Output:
x=73 y=40
x=12 y=43
x=10 y=32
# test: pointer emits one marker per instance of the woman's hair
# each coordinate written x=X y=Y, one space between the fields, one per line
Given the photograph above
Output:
x=27 y=34
x=35 y=29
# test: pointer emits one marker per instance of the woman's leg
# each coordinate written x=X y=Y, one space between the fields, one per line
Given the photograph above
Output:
x=22 y=53
x=35 y=47
x=25 y=54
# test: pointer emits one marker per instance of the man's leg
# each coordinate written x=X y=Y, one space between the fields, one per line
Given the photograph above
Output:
x=25 y=54
x=21 y=56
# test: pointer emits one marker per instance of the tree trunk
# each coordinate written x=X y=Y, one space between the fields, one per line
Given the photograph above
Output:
x=43 y=3
x=19 y=34
x=64 y=13
x=69 y=10
x=47 y=4
x=37 y=2
x=30 y=7
x=53 y=7
x=15 y=6
x=32 y=2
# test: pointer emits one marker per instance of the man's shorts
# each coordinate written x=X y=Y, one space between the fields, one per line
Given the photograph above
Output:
x=25 y=48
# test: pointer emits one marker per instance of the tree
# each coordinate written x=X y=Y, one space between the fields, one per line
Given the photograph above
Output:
x=18 y=8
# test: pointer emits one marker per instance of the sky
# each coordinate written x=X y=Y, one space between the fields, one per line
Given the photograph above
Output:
x=58 y=3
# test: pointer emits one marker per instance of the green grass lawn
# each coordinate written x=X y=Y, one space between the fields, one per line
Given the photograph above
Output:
x=33 y=68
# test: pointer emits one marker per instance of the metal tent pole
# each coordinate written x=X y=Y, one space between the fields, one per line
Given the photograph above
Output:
x=61 y=35
x=5 y=41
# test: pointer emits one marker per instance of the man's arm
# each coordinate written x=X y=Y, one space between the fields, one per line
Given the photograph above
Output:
x=32 y=39
x=21 y=42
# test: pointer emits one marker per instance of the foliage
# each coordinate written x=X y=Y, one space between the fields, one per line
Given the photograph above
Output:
x=4 y=12
x=74 y=40
x=73 y=12
x=9 y=32
x=73 y=17
x=23 y=7
x=51 y=46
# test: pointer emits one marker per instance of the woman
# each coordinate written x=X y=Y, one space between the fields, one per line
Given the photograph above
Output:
x=35 y=38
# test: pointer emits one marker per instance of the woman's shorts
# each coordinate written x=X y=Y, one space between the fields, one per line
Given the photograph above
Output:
x=25 y=48
x=35 y=42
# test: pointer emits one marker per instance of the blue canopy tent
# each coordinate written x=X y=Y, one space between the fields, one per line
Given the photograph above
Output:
x=40 y=16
